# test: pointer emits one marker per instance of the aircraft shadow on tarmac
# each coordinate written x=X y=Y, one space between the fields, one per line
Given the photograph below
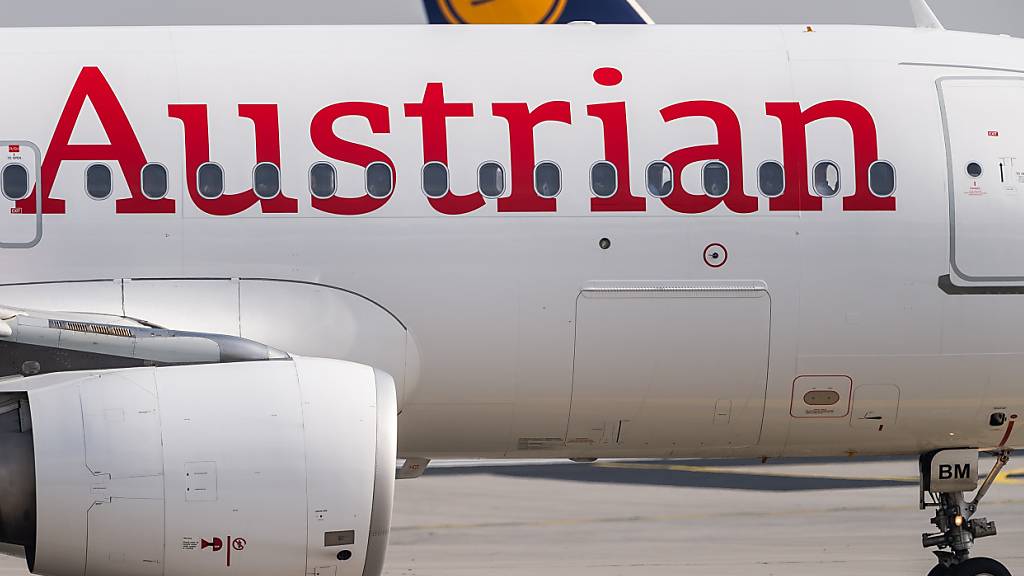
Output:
x=721 y=474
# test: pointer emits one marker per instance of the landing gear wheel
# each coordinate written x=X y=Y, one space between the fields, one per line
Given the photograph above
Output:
x=955 y=516
x=981 y=567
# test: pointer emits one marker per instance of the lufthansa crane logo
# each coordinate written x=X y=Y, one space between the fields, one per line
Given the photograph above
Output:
x=502 y=11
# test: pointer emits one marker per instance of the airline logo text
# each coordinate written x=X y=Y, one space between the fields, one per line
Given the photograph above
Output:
x=433 y=112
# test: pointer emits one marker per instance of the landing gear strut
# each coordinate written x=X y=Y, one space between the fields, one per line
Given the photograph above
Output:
x=946 y=476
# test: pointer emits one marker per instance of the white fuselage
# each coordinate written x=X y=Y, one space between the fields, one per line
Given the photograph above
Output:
x=823 y=331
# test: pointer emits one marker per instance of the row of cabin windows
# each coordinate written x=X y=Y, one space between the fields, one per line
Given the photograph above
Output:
x=604 y=179
x=14 y=181
x=379 y=180
x=771 y=179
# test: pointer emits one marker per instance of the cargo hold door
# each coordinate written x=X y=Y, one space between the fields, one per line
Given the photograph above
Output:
x=672 y=367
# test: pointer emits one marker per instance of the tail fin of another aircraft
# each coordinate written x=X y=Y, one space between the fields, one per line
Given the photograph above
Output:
x=924 y=17
x=535 y=11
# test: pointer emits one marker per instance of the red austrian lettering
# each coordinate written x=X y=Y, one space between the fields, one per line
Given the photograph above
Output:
x=728 y=150
x=521 y=124
x=195 y=121
x=321 y=131
x=435 y=113
x=794 y=120
x=616 y=148
x=123 y=148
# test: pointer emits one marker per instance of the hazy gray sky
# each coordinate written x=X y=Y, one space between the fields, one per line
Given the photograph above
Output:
x=994 y=16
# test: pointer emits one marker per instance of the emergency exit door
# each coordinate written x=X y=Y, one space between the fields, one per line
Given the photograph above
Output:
x=983 y=119
x=20 y=226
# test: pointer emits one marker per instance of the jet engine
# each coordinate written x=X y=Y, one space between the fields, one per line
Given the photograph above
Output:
x=274 y=467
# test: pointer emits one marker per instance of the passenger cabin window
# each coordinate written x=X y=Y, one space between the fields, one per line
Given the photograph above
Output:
x=974 y=170
x=97 y=181
x=380 y=180
x=491 y=179
x=15 y=182
x=882 y=179
x=715 y=176
x=154 y=181
x=266 y=180
x=771 y=179
x=827 y=179
x=323 y=180
x=604 y=179
x=435 y=179
x=659 y=179
x=210 y=178
x=547 y=179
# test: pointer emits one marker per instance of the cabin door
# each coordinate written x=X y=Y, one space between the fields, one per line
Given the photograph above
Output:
x=983 y=121
x=20 y=226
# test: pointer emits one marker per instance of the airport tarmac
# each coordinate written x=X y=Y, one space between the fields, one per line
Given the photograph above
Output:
x=675 y=517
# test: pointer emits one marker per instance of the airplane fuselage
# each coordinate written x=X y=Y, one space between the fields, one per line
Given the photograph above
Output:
x=872 y=306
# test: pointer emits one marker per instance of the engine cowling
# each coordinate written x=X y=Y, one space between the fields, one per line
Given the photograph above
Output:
x=275 y=467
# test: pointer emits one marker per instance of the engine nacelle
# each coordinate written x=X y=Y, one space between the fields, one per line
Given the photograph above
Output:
x=280 y=467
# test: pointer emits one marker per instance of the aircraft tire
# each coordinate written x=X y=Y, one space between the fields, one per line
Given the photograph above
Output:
x=981 y=567
x=940 y=570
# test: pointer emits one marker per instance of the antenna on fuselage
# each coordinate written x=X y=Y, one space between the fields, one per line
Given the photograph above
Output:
x=923 y=15
x=641 y=12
